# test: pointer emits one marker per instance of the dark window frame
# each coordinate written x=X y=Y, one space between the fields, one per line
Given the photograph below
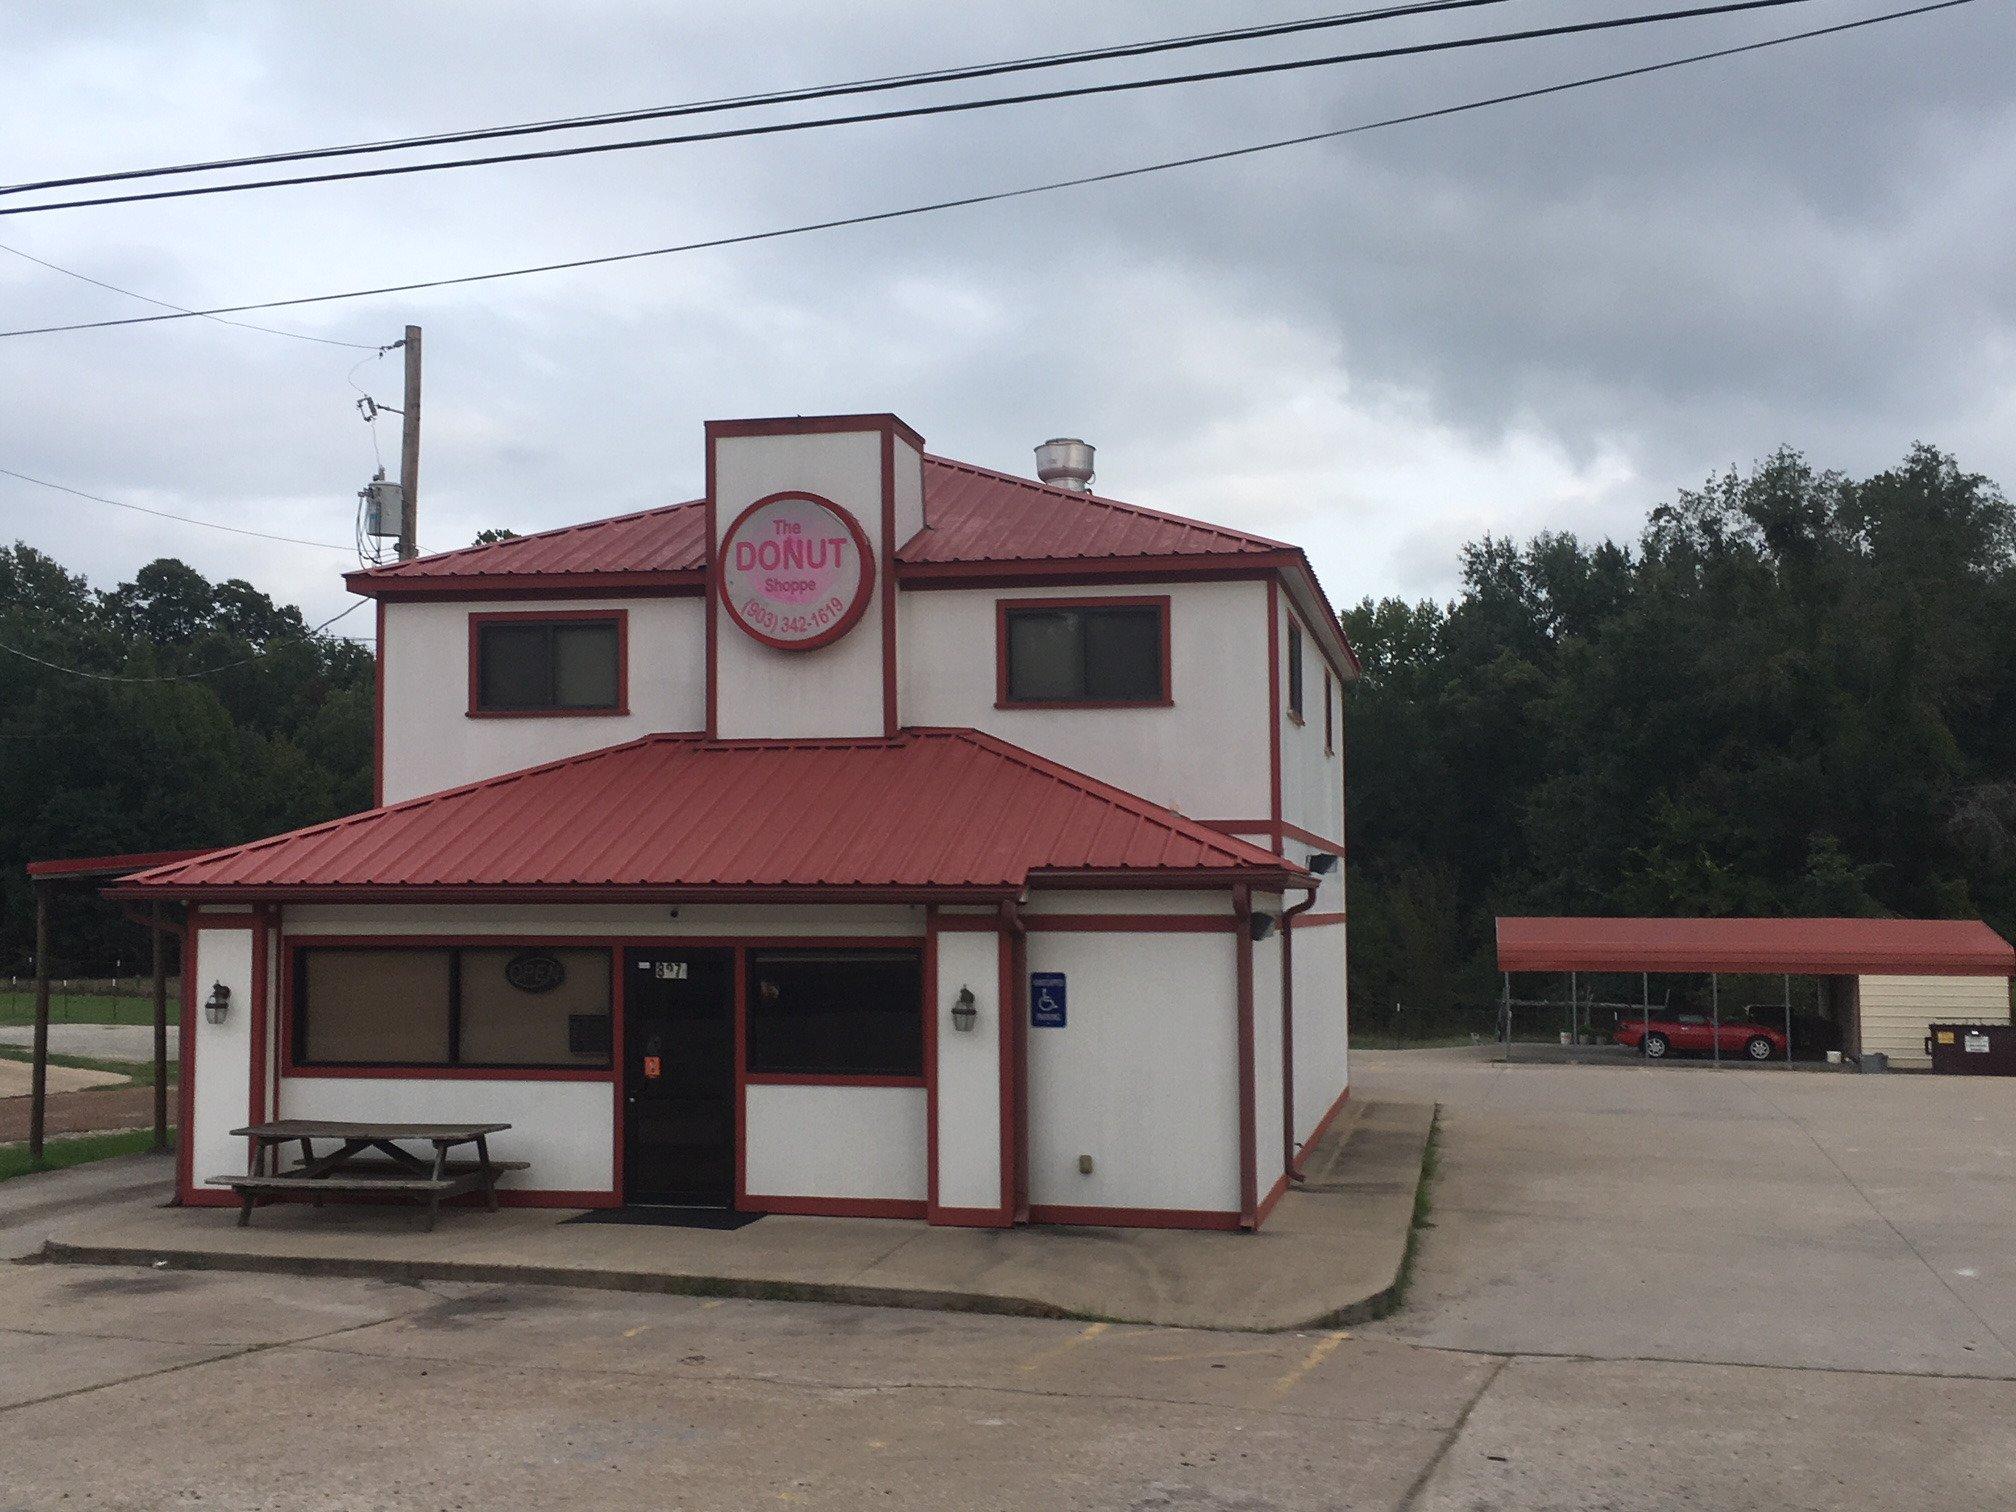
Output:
x=756 y=1072
x=1005 y=609
x=294 y=1018
x=620 y=618
x=1329 y=716
x=1294 y=659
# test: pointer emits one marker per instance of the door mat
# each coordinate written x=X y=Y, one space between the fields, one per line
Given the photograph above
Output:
x=668 y=1217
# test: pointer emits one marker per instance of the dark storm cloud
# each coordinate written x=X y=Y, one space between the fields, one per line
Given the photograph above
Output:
x=1548 y=315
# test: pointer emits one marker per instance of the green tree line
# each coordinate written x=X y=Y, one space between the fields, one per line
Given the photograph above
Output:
x=96 y=759
x=1794 y=695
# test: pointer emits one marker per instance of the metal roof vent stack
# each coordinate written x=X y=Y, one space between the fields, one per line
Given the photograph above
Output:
x=1067 y=462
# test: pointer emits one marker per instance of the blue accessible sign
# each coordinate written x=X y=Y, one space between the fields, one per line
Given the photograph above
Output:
x=1046 y=999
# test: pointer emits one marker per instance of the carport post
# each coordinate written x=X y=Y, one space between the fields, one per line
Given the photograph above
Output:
x=1788 y=1018
x=1574 y=1011
x=1715 y=1011
x=160 y=941
x=1645 y=983
x=1505 y=1019
x=38 y=1074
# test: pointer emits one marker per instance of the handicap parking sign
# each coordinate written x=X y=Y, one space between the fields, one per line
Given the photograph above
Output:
x=1046 y=999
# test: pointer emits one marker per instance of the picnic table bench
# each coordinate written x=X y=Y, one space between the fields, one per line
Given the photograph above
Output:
x=351 y=1170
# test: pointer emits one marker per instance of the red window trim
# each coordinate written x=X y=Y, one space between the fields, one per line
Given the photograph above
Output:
x=619 y=617
x=1003 y=607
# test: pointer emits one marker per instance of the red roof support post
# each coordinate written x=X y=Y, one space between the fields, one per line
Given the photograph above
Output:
x=1242 y=944
x=1015 y=1003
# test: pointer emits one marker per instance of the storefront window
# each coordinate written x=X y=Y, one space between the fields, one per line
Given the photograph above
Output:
x=818 y=1012
x=503 y=1006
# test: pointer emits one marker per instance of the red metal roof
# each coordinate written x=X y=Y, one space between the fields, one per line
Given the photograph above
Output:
x=930 y=812
x=976 y=519
x=1800 y=947
x=107 y=866
x=973 y=514
x=671 y=538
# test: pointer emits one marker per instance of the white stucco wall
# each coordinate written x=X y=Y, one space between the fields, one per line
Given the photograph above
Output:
x=566 y=1129
x=223 y=1071
x=862 y=1142
x=432 y=743
x=1269 y=1093
x=1206 y=755
x=1897 y=1009
x=1144 y=1077
x=834 y=689
x=969 y=1073
x=1322 y=1025
x=1312 y=779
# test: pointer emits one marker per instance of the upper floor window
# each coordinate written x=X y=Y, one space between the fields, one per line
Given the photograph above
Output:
x=1329 y=718
x=1087 y=653
x=547 y=663
x=1294 y=671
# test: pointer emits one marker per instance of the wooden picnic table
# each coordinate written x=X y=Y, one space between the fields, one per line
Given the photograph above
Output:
x=352 y=1169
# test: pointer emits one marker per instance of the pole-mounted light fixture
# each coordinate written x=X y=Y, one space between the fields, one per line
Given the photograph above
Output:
x=1323 y=862
x=217 y=1004
x=965 y=1011
x=1261 y=925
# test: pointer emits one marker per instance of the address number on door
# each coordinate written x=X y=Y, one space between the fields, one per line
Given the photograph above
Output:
x=671 y=971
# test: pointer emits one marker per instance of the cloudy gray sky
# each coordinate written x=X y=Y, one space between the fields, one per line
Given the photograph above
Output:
x=1549 y=315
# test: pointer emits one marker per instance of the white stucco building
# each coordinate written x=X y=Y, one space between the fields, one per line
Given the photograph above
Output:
x=876 y=835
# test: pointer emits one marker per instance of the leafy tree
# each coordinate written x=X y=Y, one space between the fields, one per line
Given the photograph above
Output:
x=1791 y=696
x=168 y=712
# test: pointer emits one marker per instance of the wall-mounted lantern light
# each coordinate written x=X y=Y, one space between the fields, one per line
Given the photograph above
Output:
x=1262 y=925
x=217 y=1004
x=965 y=1011
x=1323 y=862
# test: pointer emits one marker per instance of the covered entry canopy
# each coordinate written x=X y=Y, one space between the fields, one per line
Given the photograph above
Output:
x=1796 y=947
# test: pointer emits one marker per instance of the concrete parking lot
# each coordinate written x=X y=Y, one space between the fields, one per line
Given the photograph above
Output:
x=1735 y=1290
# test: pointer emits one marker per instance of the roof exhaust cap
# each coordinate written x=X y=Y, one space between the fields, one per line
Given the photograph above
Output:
x=1066 y=462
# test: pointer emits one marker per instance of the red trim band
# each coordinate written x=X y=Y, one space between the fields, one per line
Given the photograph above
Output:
x=1118 y=1217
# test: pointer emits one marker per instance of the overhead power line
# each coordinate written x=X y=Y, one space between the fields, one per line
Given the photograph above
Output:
x=180 y=309
x=1000 y=195
x=172 y=677
x=880 y=84
x=164 y=514
x=992 y=102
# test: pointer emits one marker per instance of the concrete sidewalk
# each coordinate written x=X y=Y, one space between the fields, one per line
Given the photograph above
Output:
x=1332 y=1252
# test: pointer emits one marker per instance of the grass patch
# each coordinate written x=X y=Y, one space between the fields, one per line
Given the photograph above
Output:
x=17 y=1007
x=137 y=1073
x=74 y=1150
x=1424 y=1203
x=1374 y=1040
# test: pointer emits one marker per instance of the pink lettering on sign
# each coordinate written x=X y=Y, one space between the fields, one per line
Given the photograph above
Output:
x=795 y=571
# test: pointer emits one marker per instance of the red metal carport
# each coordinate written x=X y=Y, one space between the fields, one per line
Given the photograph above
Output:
x=1750 y=947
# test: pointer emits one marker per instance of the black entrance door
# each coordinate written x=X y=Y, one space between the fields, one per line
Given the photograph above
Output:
x=679 y=1077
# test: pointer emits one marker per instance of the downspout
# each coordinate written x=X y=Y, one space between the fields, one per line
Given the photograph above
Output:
x=1289 y=1148
x=1018 y=1039
x=1249 y=1195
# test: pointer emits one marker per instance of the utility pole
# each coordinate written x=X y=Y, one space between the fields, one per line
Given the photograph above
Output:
x=409 y=450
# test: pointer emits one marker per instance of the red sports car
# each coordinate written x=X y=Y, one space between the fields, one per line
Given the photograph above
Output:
x=1660 y=1037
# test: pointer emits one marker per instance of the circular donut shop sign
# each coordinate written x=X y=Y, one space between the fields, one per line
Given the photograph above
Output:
x=795 y=571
